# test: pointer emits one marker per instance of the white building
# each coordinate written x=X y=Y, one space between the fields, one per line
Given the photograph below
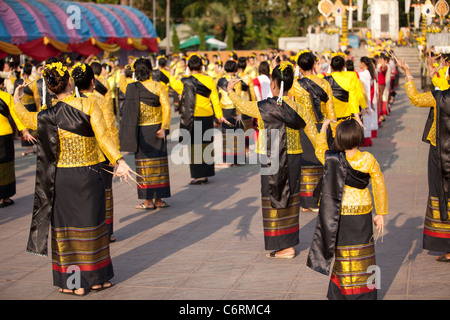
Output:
x=383 y=21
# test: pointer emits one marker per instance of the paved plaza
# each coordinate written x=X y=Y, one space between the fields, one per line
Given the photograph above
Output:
x=208 y=245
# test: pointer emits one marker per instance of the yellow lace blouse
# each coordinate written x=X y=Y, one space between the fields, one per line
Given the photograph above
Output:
x=149 y=115
x=359 y=201
x=108 y=114
x=294 y=146
x=302 y=96
x=423 y=100
x=75 y=150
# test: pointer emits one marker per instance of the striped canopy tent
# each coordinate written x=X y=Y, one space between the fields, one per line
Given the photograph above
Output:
x=45 y=28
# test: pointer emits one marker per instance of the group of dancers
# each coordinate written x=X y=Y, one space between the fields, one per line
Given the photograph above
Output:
x=321 y=109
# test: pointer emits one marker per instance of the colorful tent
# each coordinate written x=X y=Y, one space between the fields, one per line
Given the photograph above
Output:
x=45 y=28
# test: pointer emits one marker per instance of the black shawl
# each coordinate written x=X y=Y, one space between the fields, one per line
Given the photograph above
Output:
x=158 y=75
x=191 y=87
x=338 y=92
x=337 y=173
x=278 y=117
x=129 y=125
x=443 y=147
x=67 y=118
x=100 y=88
x=4 y=109
x=317 y=94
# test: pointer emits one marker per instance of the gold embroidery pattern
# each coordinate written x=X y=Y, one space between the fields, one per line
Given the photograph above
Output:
x=154 y=172
x=149 y=115
x=278 y=221
x=433 y=223
x=75 y=246
x=423 y=100
x=310 y=176
x=77 y=151
x=351 y=265
x=161 y=114
x=109 y=205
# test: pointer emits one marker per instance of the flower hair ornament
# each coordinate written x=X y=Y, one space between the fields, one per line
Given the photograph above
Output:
x=337 y=54
x=192 y=55
x=82 y=66
x=50 y=78
x=58 y=66
x=132 y=68
x=334 y=124
x=282 y=67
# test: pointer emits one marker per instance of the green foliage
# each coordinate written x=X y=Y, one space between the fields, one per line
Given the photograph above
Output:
x=175 y=39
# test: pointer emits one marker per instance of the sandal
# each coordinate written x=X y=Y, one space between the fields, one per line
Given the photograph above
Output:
x=163 y=205
x=6 y=203
x=103 y=287
x=284 y=256
x=72 y=292
x=142 y=206
x=196 y=182
x=443 y=258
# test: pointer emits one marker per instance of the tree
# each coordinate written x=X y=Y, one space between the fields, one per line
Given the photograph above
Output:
x=175 y=39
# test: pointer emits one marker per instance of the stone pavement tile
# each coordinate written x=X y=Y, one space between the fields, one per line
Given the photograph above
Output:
x=24 y=259
x=395 y=288
x=206 y=281
x=233 y=256
x=429 y=289
x=173 y=267
x=244 y=245
x=254 y=295
x=311 y=281
x=437 y=272
x=197 y=294
x=27 y=290
x=305 y=296
x=291 y=270
x=395 y=298
x=265 y=282
x=14 y=273
x=221 y=268
x=150 y=279
x=427 y=260
x=41 y=273
x=122 y=292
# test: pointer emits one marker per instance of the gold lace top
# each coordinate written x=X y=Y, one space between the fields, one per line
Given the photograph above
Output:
x=294 y=146
x=248 y=80
x=149 y=115
x=225 y=101
x=423 y=100
x=359 y=201
x=108 y=114
x=75 y=150
x=302 y=96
